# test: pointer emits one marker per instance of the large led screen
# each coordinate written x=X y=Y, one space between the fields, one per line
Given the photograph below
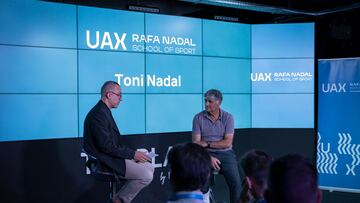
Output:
x=282 y=76
x=54 y=58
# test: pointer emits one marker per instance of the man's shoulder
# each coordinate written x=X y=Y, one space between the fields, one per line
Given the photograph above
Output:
x=226 y=114
x=97 y=110
x=200 y=114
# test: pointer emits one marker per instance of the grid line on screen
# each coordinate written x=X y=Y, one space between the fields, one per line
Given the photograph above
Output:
x=203 y=66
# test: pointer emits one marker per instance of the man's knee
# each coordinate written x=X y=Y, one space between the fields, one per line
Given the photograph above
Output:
x=233 y=180
x=148 y=173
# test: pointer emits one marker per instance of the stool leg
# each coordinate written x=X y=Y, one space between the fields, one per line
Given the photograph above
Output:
x=212 y=196
x=111 y=195
x=114 y=189
x=211 y=192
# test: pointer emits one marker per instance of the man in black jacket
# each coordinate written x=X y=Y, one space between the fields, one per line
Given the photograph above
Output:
x=101 y=140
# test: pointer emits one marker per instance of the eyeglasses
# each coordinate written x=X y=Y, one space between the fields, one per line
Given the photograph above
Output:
x=119 y=95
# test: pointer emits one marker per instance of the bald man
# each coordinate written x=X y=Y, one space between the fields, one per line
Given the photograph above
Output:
x=101 y=140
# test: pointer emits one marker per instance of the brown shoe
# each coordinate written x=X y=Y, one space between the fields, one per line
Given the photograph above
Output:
x=116 y=199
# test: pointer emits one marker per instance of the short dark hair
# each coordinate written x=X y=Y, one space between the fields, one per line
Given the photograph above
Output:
x=293 y=179
x=256 y=164
x=190 y=166
x=107 y=86
x=214 y=92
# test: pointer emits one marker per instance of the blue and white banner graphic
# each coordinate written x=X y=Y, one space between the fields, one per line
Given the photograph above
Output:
x=338 y=147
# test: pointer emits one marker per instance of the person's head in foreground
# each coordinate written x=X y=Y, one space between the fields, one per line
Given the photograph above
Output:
x=255 y=165
x=190 y=167
x=293 y=179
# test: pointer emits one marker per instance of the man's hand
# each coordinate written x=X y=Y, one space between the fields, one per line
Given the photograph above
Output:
x=215 y=163
x=141 y=157
x=203 y=144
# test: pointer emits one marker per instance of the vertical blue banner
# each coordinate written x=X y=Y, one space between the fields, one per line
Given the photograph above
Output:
x=338 y=149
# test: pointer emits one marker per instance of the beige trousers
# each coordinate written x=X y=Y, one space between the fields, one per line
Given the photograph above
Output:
x=138 y=176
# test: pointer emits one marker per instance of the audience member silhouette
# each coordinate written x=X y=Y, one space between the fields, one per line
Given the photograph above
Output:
x=293 y=179
x=190 y=166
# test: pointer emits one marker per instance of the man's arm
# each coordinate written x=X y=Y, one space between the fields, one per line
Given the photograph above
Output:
x=196 y=133
x=215 y=163
x=223 y=144
x=196 y=138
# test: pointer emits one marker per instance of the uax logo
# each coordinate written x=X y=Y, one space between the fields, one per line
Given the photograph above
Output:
x=333 y=87
x=261 y=77
x=102 y=40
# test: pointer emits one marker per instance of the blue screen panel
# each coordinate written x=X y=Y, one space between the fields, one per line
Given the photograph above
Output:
x=173 y=34
x=162 y=112
x=239 y=106
x=37 y=23
x=226 y=39
x=282 y=75
x=129 y=116
x=282 y=40
x=283 y=111
x=173 y=74
x=96 y=67
x=31 y=116
x=108 y=29
x=37 y=70
x=229 y=75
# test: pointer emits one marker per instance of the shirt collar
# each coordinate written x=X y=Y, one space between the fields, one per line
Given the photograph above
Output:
x=206 y=114
x=188 y=195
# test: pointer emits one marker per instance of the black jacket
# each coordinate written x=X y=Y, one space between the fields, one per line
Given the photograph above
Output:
x=101 y=139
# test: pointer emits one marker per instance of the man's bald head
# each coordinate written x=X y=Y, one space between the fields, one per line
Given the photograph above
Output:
x=108 y=86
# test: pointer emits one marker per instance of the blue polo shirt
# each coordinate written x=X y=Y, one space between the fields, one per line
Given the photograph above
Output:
x=213 y=131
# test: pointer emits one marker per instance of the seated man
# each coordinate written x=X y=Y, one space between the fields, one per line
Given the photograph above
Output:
x=293 y=179
x=255 y=165
x=190 y=167
x=213 y=129
x=101 y=140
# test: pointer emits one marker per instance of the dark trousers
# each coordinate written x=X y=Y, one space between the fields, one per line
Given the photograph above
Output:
x=229 y=168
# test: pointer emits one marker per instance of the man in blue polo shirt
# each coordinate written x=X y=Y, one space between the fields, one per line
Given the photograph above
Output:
x=213 y=129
